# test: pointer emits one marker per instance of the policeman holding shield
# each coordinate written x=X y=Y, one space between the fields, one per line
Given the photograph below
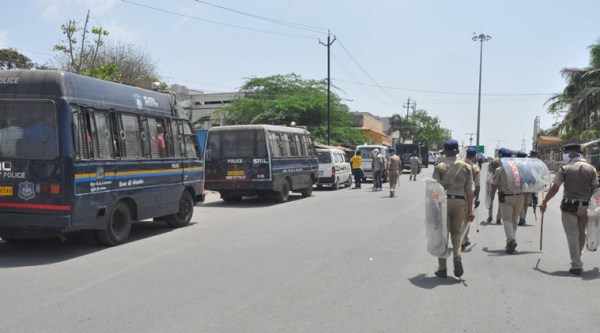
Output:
x=456 y=176
x=511 y=203
x=580 y=181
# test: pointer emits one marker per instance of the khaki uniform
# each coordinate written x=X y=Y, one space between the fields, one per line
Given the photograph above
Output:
x=512 y=205
x=492 y=167
x=394 y=165
x=415 y=164
x=578 y=177
x=457 y=178
x=476 y=184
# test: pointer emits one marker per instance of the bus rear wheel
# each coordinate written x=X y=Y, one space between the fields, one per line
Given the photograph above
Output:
x=284 y=194
x=184 y=215
x=118 y=227
x=307 y=192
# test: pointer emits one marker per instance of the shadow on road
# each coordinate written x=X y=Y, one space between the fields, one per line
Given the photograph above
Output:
x=35 y=252
x=594 y=274
x=430 y=282
x=502 y=252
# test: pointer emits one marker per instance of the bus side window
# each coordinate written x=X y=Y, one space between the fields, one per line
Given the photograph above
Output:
x=103 y=134
x=176 y=141
x=190 y=142
x=130 y=134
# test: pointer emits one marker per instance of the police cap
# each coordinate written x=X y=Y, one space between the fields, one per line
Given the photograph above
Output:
x=505 y=152
x=451 y=145
x=521 y=154
x=471 y=151
x=572 y=147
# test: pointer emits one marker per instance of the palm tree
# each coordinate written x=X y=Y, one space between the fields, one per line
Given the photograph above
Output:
x=400 y=124
x=580 y=100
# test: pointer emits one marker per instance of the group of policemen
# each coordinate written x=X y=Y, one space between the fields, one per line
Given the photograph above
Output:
x=460 y=179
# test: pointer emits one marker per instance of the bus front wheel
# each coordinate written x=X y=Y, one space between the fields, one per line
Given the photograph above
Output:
x=118 y=227
x=307 y=192
x=184 y=215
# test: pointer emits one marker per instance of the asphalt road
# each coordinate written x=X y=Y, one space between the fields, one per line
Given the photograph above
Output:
x=350 y=260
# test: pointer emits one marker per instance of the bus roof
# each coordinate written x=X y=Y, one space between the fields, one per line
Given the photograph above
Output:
x=273 y=128
x=79 y=89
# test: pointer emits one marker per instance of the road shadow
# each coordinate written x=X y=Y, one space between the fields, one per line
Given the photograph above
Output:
x=36 y=252
x=590 y=275
x=430 y=282
x=502 y=252
x=253 y=202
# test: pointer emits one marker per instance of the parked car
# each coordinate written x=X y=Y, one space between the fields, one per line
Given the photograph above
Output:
x=334 y=168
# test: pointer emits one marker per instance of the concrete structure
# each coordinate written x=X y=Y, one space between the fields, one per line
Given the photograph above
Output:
x=204 y=106
x=372 y=128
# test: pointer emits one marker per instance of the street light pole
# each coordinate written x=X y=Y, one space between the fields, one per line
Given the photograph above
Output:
x=481 y=38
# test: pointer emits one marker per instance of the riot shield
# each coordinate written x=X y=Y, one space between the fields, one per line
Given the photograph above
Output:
x=526 y=175
x=435 y=219
x=592 y=237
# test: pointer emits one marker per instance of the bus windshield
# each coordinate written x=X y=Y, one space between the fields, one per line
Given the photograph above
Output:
x=28 y=129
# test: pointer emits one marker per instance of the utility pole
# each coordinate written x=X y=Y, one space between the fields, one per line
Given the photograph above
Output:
x=470 y=139
x=329 y=42
x=408 y=106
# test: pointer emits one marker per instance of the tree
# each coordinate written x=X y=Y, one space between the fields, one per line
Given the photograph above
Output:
x=80 y=55
x=428 y=129
x=579 y=103
x=283 y=99
x=118 y=62
x=420 y=126
x=11 y=59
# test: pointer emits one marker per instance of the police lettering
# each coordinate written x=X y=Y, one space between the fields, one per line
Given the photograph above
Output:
x=8 y=174
x=150 y=101
x=5 y=166
x=233 y=160
x=9 y=80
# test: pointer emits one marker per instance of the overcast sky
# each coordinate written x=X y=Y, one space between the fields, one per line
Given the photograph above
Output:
x=385 y=51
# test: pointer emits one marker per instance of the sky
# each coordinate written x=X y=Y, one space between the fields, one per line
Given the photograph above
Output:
x=382 y=53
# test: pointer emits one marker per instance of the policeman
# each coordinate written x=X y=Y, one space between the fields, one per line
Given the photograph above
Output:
x=580 y=181
x=415 y=165
x=511 y=204
x=494 y=164
x=394 y=165
x=471 y=159
x=456 y=176
x=377 y=168
x=526 y=196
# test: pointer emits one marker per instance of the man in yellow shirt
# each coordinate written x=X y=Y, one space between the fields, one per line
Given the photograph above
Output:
x=356 y=165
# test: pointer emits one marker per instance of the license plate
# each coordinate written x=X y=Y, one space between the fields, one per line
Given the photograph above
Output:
x=6 y=190
x=235 y=173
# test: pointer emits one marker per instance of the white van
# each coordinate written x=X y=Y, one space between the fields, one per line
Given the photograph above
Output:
x=366 y=152
x=334 y=169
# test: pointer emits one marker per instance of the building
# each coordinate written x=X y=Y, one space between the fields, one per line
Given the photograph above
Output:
x=372 y=128
x=204 y=107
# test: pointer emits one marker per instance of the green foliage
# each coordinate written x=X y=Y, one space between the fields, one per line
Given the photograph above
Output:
x=420 y=126
x=283 y=99
x=579 y=103
x=85 y=51
x=11 y=59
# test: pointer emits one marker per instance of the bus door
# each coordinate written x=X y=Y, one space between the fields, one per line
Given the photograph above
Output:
x=31 y=169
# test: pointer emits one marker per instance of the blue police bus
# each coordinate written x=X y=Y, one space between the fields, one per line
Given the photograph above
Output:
x=262 y=160
x=78 y=153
